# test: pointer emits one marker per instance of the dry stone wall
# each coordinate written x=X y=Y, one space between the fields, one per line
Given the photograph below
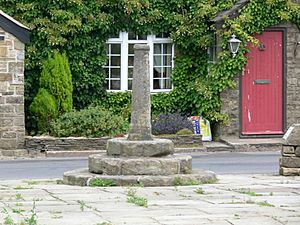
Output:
x=12 y=128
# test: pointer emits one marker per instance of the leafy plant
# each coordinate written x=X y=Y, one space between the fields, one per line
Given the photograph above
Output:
x=170 y=124
x=132 y=197
x=182 y=182
x=98 y=182
x=90 y=122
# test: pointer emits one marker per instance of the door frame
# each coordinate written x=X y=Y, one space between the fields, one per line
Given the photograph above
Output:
x=284 y=89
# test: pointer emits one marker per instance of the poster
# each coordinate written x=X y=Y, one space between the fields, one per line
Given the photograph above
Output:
x=202 y=126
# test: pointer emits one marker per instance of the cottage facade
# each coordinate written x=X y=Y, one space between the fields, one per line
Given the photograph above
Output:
x=13 y=36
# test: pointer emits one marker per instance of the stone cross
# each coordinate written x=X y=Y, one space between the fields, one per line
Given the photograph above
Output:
x=140 y=127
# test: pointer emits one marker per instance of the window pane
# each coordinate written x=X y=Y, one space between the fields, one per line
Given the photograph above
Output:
x=131 y=35
x=156 y=84
x=157 y=61
x=115 y=85
x=115 y=49
x=167 y=72
x=130 y=49
x=107 y=48
x=167 y=60
x=142 y=37
x=107 y=84
x=130 y=72
x=167 y=84
x=115 y=61
x=157 y=49
x=163 y=35
x=167 y=48
x=115 y=73
x=130 y=60
x=157 y=72
x=106 y=70
x=129 y=84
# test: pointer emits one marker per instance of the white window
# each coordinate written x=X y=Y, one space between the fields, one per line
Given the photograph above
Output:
x=120 y=54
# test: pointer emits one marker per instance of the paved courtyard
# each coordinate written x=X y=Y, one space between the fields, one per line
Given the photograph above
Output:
x=233 y=200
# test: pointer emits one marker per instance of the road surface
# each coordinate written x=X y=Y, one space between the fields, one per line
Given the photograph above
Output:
x=221 y=163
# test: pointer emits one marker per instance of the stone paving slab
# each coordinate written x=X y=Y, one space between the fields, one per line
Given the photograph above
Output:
x=233 y=200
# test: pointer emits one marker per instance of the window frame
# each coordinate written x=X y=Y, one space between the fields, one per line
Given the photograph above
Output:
x=124 y=46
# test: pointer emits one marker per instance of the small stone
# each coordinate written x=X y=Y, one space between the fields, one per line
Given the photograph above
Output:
x=287 y=149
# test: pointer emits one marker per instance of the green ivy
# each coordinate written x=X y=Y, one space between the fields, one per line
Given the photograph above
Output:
x=81 y=27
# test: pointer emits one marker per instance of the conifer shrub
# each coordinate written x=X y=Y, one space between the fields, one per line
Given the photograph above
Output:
x=45 y=109
x=93 y=121
x=55 y=94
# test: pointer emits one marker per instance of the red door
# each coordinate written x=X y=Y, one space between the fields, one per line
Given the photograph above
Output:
x=262 y=87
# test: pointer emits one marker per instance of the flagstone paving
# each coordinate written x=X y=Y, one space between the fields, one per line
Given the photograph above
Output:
x=233 y=200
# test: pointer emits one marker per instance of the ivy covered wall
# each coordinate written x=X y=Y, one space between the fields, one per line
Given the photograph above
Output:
x=81 y=27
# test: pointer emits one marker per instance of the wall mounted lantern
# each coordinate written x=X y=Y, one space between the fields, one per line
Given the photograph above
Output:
x=234 y=45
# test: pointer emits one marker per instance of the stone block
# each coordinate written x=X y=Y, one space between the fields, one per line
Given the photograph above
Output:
x=8 y=144
x=19 y=122
x=3 y=51
x=289 y=171
x=289 y=162
x=288 y=149
x=5 y=77
x=6 y=109
x=291 y=137
x=6 y=122
x=140 y=166
x=15 y=100
x=297 y=151
x=150 y=148
x=9 y=135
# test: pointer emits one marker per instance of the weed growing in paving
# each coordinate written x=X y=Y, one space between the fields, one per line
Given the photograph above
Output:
x=104 y=223
x=181 y=182
x=98 y=182
x=82 y=204
x=19 y=196
x=132 y=197
x=199 y=191
x=248 y=192
x=264 y=203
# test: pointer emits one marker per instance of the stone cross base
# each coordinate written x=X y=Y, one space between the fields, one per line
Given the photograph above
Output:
x=290 y=160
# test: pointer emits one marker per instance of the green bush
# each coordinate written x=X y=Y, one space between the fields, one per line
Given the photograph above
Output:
x=45 y=109
x=89 y=122
x=55 y=94
x=57 y=79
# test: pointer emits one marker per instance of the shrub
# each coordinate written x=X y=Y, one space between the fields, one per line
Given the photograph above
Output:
x=170 y=124
x=57 y=79
x=45 y=109
x=89 y=122
x=55 y=94
x=185 y=131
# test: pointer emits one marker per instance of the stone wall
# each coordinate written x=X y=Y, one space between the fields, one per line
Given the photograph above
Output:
x=231 y=98
x=12 y=129
x=290 y=160
x=46 y=144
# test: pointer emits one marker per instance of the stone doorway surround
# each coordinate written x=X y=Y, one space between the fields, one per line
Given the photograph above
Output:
x=13 y=36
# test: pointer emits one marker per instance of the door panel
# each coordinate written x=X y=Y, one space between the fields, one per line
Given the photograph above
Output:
x=262 y=91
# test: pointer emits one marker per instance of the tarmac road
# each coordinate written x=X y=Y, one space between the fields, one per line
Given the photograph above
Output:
x=221 y=163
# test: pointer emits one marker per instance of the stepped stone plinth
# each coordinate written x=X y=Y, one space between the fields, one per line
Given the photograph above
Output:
x=140 y=159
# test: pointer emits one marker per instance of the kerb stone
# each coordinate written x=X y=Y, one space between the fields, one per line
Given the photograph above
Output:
x=289 y=162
